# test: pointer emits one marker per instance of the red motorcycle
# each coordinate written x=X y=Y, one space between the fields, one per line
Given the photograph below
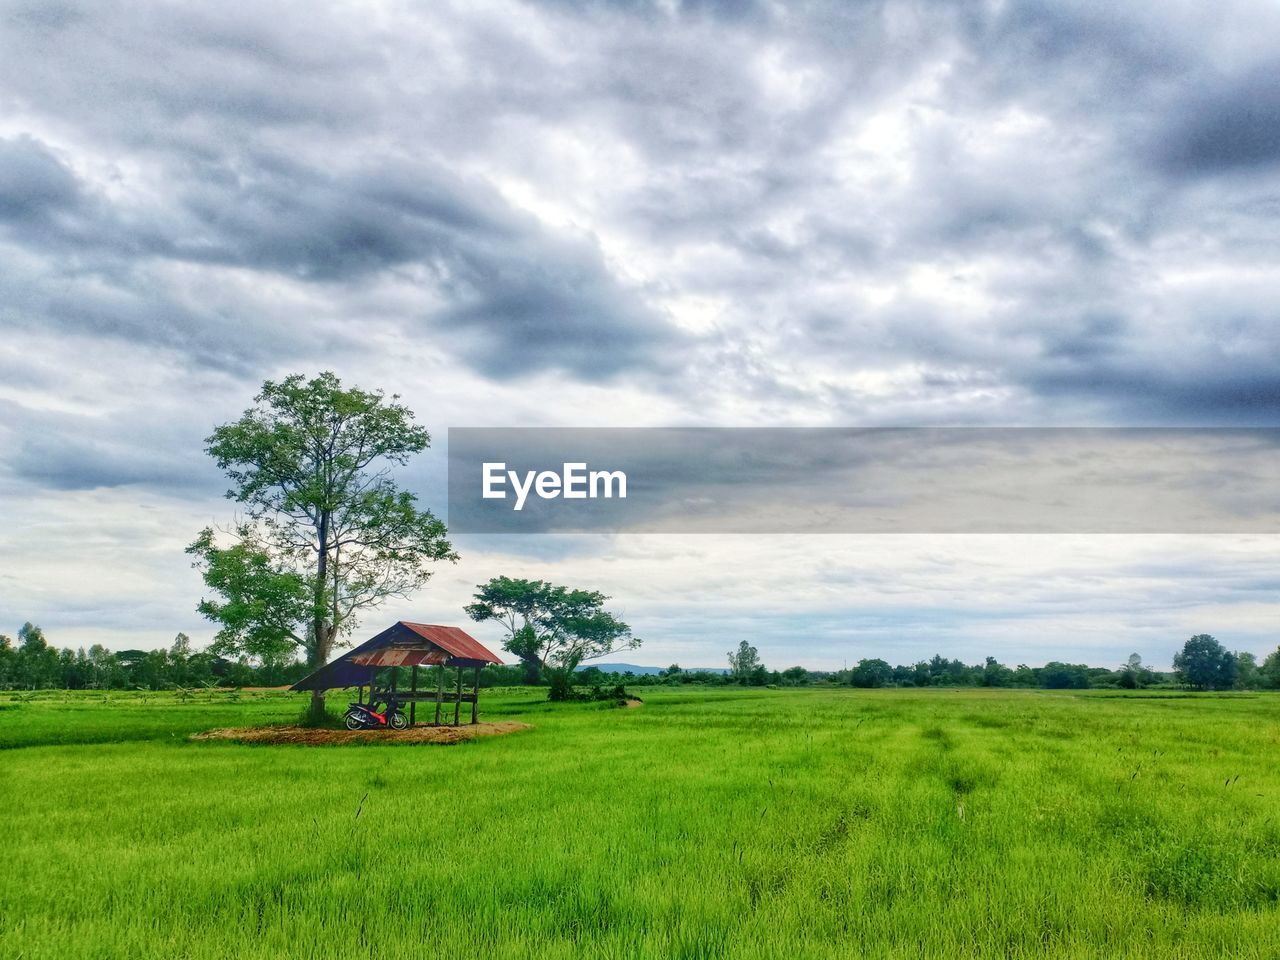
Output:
x=362 y=716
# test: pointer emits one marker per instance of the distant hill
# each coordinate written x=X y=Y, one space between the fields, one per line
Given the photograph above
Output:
x=647 y=671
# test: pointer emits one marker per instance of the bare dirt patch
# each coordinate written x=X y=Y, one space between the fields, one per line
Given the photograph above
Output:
x=632 y=704
x=311 y=736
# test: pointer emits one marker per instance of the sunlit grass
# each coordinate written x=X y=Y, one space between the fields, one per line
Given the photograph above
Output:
x=736 y=823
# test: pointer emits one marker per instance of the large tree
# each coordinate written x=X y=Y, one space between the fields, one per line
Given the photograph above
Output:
x=1205 y=664
x=326 y=532
x=1270 y=669
x=871 y=673
x=744 y=663
x=550 y=626
x=36 y=662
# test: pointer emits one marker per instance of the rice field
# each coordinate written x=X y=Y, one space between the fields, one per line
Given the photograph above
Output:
x=717 y=823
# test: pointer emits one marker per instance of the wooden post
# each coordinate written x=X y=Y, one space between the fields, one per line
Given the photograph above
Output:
x=413 y=686
x=457 y=704
x=475 y=696
x=360 y=694
x=439 y=691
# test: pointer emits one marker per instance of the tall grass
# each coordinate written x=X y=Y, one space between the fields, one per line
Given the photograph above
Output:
x=735 y=823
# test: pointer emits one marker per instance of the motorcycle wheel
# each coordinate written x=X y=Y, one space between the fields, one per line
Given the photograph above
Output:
x=398 y=721
x=354 y=722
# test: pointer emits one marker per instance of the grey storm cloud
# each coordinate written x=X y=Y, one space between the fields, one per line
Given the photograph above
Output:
x=62 y=451
x=34 y=185
x=956 y=213
x=532 y=301
x=1230 y=125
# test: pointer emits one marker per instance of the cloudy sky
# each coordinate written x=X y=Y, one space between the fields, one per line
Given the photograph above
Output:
x=642 y=214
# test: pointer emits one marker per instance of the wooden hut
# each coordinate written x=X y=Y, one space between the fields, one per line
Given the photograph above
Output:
x=375 y=665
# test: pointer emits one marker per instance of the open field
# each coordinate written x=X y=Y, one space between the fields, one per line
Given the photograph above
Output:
x=736 y=823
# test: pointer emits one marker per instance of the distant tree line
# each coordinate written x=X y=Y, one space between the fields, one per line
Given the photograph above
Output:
x=30 y=663
x=1202 y=664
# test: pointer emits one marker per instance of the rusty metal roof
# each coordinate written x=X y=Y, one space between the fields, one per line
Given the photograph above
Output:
x=401 y=645
x=452 y=639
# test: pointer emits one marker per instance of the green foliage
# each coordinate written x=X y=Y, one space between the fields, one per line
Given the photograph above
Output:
x=551 y=628
x=745 y=666
x=1064 y=676
x=1205 y=664
x=1135 y=676
x=1269 y=672
x=1248 y=676
x=872 y=673
x=995 y=674
x=263 y=605
x=559 y=683
x=38 y=666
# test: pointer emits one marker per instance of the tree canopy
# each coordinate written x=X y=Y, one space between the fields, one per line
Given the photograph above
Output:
x=745 y=665
x=1205 y=664
x=549 y=625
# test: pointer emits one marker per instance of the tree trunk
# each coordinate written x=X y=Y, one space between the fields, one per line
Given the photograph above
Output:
x=322 y=631
x=320 y=651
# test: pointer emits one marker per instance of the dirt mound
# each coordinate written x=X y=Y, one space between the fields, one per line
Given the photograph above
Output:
x=311 y=736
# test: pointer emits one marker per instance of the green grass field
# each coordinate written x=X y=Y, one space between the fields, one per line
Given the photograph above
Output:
x=729 y=823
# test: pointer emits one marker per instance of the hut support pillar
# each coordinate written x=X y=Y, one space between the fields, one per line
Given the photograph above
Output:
x=457 y=704
x=439 y=691
x=413 y=687
x=475 y=696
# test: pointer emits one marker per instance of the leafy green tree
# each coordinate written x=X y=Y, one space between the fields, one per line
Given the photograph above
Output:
x=996 y=674
x=200 y=667
x=240 y=673
x=795 y=675
x=743 y=662
x=76 y=670
x=1270 y=670
x=920 y=674
x=8 y=662
x=105 y=670
x=1205 y=664
x=328 y=534
x=871 y=673
x=152 y=671
x=36 y=663
x=522 y=607
x=67 y=677
x=131 y=663
x=1064 y=676
x=179 y=659
x=1133 y=675
x=1024 y=676
x=552 y=629
x=1248 y=676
